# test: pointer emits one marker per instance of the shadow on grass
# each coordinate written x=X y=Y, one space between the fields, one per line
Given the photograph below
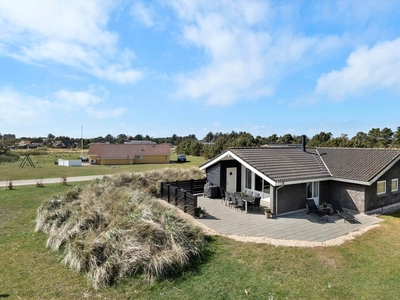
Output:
x=4 y=295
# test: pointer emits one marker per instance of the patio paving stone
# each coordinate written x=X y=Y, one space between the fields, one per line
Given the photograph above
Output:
x=296 y=226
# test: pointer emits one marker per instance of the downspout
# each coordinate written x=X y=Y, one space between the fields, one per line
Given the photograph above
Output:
x=276 y=197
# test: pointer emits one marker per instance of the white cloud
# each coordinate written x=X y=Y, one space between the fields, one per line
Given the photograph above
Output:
x=144 y=14
x=76 y=99
x=71 y=33
x=19 y=107
x=367 y=68
x=244 y=59
x=33 y=110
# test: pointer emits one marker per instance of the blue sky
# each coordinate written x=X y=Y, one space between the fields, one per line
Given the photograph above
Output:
x=184 y=67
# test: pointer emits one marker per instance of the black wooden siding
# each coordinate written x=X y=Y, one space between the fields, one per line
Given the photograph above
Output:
x=214 y=174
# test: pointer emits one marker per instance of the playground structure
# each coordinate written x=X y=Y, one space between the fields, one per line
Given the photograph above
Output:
x=27 y=159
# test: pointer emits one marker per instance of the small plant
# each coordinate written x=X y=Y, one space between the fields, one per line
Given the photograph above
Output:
x=324 y=205
x=267 y=210
x=199 y=212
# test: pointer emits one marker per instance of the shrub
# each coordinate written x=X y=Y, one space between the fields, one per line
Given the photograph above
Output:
x=111 y=229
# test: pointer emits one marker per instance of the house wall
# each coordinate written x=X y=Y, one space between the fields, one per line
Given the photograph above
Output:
x=216 y=174
x=349 y=195
x=231 y=164
x=146 y=159
x=213 y=174
x=290 y=198
x=374 y=201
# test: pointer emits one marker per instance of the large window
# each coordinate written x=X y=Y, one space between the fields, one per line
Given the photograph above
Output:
x=312 y=190
x=381 y=187
x=258 y=183
x=395 y=185
x=248 y=179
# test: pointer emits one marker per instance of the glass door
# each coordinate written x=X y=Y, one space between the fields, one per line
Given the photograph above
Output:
x=312 y=191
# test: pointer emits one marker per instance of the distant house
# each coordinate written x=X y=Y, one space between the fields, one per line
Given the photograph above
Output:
x=26 y=145
x=365 y=180
x=64 y=144
x=127 y=154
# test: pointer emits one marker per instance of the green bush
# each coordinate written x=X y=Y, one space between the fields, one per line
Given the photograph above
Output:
x=8 y=157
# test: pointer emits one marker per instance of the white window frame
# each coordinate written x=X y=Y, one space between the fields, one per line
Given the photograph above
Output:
x=397 y=185
x=377 y=185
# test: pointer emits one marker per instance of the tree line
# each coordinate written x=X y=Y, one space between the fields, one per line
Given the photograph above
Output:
x=215 y=143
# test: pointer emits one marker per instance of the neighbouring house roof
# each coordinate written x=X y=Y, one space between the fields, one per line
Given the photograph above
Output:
x=124 y=150
x=64 y=143
x=288 y=164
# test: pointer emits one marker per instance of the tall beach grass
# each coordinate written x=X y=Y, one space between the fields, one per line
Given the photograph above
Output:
x=114 y=228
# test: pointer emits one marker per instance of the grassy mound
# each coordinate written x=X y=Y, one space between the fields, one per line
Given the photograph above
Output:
x=111 y=229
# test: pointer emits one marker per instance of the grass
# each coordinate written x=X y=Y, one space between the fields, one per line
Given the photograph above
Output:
x=365 y=268
x=111 y=229
x=45 y=167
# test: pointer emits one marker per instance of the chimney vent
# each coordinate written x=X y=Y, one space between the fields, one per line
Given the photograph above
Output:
x=303 y=143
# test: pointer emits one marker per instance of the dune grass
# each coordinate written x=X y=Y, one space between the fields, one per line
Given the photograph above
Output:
x=365 y=268
x=113 y=228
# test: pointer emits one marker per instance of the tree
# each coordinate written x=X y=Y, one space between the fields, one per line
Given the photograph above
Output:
x=122 y=138
x=50 y=136
x=320 y=140
x=109 y=138
x=286 y=139
x=396 y=137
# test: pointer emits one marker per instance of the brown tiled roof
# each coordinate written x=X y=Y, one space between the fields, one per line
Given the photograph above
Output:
x=123 y=150
x=283 y=164
x=356 y=163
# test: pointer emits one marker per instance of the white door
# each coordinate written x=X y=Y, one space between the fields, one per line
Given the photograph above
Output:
x=231 y=180
x=313 y=191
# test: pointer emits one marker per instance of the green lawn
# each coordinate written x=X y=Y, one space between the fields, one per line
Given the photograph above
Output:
x=45 y=167
x=366 y=268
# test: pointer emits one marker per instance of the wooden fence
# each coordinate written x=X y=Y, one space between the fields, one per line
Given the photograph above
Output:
x=181 y=193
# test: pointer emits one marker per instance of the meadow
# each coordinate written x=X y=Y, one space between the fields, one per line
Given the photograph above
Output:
x=44 y=159
x=364 y=268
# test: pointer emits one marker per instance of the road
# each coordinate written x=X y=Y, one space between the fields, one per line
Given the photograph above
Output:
x=45 y=181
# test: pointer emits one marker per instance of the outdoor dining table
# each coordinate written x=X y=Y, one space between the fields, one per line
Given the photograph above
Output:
x=246 y=199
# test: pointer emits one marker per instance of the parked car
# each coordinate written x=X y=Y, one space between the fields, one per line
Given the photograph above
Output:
x=181 y=158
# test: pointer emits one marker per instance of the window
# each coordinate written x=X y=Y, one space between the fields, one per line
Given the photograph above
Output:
x=258 y=183
x=248 y=179
x=381 y=187
x=138 y=157
x=312 y=190
x=395 y=185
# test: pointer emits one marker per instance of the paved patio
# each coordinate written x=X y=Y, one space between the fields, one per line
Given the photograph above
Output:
x=295 y=226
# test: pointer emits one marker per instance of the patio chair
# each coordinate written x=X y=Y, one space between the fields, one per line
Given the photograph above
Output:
x=255 y=204
x=223 y=195
x=232 y=200
x=347 y=216
x=227 y=198
x=313 y=208
x=239 y=203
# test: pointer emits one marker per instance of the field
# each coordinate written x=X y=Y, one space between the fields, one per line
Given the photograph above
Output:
x=45 y=167
x=365 y=268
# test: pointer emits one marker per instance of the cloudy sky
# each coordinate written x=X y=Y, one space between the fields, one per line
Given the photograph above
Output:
x=183 y=67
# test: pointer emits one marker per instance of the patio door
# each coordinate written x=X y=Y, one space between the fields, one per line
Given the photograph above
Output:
x=231 y=180
x=312 y=191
